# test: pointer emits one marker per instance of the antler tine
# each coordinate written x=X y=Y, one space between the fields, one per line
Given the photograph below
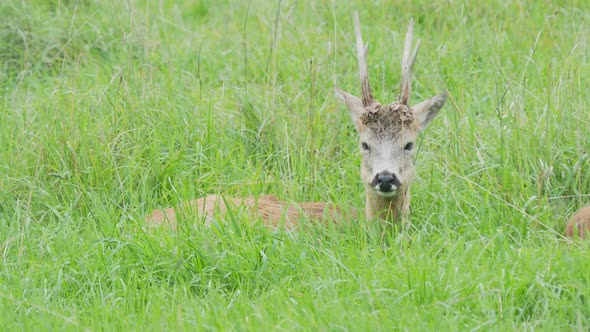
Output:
x=362 y=58
x=408 y=64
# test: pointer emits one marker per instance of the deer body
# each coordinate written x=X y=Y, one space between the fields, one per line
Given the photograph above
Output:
x=579 y=224
x=269 y=209
x=387 y=137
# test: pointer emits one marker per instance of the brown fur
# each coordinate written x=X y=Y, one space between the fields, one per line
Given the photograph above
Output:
x=269 y=209
x=388 y=119
x=579 y=224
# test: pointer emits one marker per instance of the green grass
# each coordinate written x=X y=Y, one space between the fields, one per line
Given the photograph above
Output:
x=110 y=109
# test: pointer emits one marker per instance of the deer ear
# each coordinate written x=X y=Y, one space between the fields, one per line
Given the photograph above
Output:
x=354 y=104
x=427 y=110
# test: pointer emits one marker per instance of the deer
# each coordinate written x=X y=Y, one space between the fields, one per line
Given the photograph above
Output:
x=272 y=211
x=579 y=224
x=388 y=134
x=387 y=139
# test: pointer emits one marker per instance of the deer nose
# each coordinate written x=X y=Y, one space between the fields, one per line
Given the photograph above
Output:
x=386 y=181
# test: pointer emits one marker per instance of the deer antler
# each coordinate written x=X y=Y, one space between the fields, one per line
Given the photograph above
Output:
x=408 y=65
x=362 y=57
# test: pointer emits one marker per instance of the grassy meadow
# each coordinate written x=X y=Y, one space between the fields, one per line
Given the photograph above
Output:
x=110 y=109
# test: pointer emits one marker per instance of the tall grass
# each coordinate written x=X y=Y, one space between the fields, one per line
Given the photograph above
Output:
x=112 y=108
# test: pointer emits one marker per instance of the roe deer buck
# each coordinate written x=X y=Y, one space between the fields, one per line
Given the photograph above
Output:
x=579 y=224
x=387 y=138
x=388 y=134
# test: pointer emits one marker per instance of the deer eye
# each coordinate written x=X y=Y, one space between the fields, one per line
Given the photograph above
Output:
x=409 y=146
x=365 y=146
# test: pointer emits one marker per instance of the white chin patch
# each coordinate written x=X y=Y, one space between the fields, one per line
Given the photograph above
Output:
x=386 y=193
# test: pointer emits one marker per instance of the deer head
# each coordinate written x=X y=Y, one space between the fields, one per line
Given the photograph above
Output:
x=388 y=132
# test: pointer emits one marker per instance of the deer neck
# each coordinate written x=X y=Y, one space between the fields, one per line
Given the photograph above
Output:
x=390 y=209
